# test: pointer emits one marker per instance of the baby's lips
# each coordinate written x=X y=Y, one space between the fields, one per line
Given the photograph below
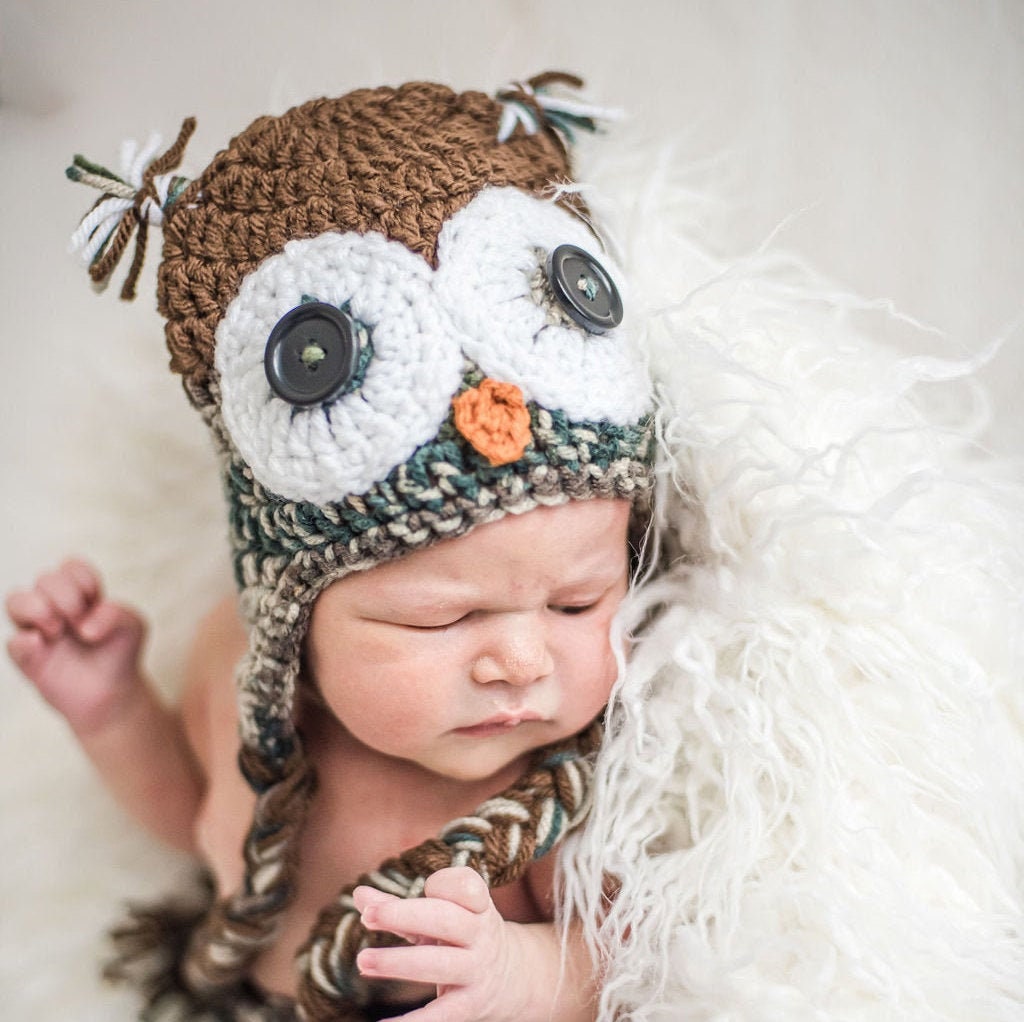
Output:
x=494 y=418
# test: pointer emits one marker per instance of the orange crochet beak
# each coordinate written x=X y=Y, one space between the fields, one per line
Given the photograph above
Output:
x=494 y=418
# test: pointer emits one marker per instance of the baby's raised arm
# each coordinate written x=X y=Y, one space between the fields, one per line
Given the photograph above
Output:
x=82 y=653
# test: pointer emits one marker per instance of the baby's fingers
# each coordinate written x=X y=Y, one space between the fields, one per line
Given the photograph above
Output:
x=30 y=609
x=26 y=648
x=102 y=620
x=420 y=920
x=460 y=885
x=435 y=964
x=57 y=599
x=72 y=589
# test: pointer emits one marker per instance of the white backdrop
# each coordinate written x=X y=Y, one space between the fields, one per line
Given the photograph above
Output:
x=884 y=141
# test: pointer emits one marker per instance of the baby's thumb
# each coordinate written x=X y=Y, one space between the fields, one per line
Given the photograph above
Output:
x=461 y=885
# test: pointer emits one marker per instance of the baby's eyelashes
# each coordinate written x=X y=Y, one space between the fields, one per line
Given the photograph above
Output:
x=573 y=609
x=434 y=627
x=582 y=601
x=566 y=610
x=426 y=622
x=438 y=618
x=431 y=624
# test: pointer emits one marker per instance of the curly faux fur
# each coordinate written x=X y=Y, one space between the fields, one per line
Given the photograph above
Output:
x=811 y=797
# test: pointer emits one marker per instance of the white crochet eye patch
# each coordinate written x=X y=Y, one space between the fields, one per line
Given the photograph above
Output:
x=481 y=302
x=490 y=255
x=321 y=453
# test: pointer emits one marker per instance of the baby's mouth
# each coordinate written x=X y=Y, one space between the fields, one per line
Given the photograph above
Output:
x=499 y=724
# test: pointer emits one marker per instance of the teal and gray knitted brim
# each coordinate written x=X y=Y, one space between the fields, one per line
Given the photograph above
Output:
x=287 y=552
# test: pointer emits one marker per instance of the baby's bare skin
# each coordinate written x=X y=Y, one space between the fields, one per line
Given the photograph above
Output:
x=81 y=651
x=510 y=621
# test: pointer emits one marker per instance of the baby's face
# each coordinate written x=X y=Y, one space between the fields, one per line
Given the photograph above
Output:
x=466 y=656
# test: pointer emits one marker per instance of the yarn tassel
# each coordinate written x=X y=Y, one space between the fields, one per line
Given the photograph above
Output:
x=149 y=947
x=130 y=203
x=532 y=105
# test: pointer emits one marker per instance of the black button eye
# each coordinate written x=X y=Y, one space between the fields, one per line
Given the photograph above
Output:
x=584 y=289
x=312 y=353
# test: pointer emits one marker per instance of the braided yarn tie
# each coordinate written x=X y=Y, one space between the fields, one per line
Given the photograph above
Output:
x=499 y=841
x=236 y=929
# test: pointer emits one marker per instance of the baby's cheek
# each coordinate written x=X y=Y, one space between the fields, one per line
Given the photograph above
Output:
x=589 y=656
x=383 y=649
x=596 y=637
x=607 y=666
x=393 y=712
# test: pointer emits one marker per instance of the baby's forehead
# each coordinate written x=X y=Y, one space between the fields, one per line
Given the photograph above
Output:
x=572 y=544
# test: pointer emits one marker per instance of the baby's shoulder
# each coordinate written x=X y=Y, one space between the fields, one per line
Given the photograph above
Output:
x=540 y=882
x=209 y=716
x=208 y=705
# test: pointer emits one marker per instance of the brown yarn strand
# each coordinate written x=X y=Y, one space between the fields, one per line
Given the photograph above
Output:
x=555 y=78
x=499 y=841
x=104 y=266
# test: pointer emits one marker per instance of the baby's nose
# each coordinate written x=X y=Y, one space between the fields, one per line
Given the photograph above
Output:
x=516 y=654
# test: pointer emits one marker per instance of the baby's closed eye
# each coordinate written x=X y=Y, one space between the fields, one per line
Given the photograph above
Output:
x=429 y=625
x=573 y=609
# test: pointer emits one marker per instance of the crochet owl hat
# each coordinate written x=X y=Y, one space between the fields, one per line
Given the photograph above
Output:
x=392 y=312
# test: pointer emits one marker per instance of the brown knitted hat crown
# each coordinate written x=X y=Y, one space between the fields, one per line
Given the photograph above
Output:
x=399 y=161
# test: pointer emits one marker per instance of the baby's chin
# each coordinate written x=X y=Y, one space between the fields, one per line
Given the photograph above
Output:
x=494 y=767
x=500 y=755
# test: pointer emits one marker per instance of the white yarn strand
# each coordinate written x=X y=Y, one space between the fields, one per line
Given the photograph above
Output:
x=97 y=226
x=577 y=107
x=511 y=115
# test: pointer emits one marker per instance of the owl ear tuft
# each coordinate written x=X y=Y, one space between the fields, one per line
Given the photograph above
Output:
x=137 y=199
x=549 y=100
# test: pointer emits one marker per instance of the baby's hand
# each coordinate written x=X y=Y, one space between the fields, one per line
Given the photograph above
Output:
x=460 y=944
x=80 y=650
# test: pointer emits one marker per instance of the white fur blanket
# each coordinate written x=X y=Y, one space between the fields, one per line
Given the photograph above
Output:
x=812 y=795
